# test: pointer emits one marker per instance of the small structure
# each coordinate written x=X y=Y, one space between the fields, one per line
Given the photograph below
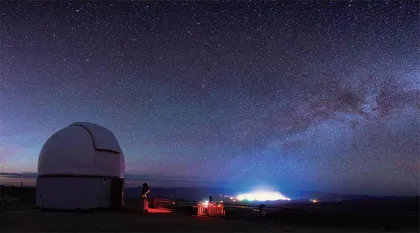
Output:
x=214 y=209
x=81 y=167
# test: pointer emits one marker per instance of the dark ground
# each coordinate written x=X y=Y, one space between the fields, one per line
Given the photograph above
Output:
x=134 y=221
x=21 y=216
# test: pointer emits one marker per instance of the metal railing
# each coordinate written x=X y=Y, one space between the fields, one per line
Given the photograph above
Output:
x=211 y=209
x=216 y=208
x=262 y=209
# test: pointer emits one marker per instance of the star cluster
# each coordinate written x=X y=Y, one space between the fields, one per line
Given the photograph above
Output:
x=305 y=95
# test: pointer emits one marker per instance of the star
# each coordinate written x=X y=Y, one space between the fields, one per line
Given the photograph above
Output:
x=313 y=95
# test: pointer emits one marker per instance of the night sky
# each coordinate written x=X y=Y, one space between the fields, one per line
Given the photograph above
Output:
x=293 y=95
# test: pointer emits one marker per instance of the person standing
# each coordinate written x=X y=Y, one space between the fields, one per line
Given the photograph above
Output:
x=144 y=191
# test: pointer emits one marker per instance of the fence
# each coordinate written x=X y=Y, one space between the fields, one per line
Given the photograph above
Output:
x=214 y=209
x=211 y=209
x=261 y=210
x=3 y=201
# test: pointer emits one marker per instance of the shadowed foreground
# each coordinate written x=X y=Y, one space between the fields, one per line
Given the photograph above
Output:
x=22 y=216
x=135 y=221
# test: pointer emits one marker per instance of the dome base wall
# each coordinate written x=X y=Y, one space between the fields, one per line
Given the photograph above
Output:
x=71 y=192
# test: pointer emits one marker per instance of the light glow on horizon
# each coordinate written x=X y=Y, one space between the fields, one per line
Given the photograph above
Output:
x=262 y=196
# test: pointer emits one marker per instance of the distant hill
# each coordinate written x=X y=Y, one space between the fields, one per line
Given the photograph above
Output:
x=193 y=194
x=198 y=194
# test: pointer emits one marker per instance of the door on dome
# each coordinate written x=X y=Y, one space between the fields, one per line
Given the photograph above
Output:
x=117 y=189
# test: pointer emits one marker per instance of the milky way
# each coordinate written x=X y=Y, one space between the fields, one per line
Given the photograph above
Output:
x=299 y=95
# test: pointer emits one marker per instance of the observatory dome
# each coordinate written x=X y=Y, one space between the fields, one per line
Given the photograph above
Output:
x=82 y=149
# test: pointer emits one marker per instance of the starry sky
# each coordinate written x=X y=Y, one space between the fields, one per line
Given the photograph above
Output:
x=297 y=95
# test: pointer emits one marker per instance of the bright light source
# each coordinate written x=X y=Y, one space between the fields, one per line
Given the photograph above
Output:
x=262 y=196
x=314 y=200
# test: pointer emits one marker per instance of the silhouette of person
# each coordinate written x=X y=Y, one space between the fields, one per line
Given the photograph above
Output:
x=145 y=190
x=210 y=199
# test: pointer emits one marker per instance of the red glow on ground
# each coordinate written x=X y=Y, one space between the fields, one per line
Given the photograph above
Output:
x=160 y=211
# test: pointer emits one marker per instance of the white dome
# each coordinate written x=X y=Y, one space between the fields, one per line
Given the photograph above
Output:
x=85 y=149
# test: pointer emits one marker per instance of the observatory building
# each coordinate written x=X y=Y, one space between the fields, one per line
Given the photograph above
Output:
x=81 y=167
